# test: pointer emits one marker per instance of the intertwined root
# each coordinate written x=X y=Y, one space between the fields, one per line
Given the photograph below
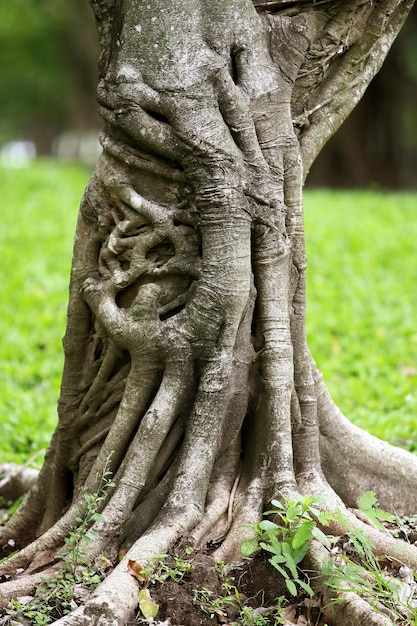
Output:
x=187 y=366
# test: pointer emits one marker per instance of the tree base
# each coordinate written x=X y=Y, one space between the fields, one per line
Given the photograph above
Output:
x=187 y=375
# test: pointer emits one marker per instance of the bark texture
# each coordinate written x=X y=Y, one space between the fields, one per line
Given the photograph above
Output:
x=186 y=356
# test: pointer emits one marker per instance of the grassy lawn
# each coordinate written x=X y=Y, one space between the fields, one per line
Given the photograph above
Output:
x=362 y=306
x=362 y=296
x=39 y=209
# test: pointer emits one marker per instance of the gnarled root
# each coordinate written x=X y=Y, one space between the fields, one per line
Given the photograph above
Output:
x=186 y=356
x=16 y=480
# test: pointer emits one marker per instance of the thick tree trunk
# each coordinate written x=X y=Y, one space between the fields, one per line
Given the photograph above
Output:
x=187 y=369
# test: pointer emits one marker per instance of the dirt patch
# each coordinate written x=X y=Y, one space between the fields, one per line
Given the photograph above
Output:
x=208 y=596
x=176 y=600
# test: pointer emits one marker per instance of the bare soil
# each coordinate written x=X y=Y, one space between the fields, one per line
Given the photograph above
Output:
x=258 y=585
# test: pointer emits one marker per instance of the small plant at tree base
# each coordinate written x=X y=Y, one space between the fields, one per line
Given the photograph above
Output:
x=286 y=538
x=365 y=576
x=406 y=528
x=161 y=567
x=76 y=544
x=368 y=504
x=213 y=605
x=231 y=601
x=56 y=596
x=164 y=567
x=295 y=524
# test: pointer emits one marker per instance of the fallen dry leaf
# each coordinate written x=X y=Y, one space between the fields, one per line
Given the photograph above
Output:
x=135 y=569
x=148 y=607
x=289 y=614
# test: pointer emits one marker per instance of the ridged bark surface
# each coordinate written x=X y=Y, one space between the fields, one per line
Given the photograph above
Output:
x=186 y=360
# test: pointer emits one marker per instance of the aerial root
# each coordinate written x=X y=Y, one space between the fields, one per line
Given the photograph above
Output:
x=114 y=602
x=218 y=514
x=141 y=460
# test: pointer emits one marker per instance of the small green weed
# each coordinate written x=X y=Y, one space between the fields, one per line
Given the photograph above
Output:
x=164 y=567
x=232 y=601
x=57 y=595
x=406 y=528
x=368 y=504
x=287 y=537
x=76 y=544
x=366 y=577
x=161 y=567
x=213 y=605
x=295 y=524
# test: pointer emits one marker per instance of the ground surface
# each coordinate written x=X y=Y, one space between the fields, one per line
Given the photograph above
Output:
x=190 y=588
x=253 y=593
x=258 y=587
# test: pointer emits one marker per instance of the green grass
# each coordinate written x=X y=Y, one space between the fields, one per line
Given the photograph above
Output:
x=39 y=207
x=362 y=291
x=362 y=304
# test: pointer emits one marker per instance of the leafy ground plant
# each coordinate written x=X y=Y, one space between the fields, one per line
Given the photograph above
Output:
x=75 y=578
x=389 y=588
x=231 y=600
x=225 y=604
x=287 y=537
x=161 y=567
x=165 y=567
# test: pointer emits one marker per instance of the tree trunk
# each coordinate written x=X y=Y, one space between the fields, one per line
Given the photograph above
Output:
x=187 y=370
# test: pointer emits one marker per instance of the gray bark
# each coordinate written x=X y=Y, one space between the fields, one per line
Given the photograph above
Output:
x=186 y=351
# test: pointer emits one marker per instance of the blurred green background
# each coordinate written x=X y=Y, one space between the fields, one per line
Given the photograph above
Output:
x=48 y=57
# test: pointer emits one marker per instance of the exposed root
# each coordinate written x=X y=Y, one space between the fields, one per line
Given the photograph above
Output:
x=218 y=514
x=140 y=459
x=115 y=599
x=16 y=480
x=355 y=462
x=384 y=544
x=113 y=603
x=23 y=586
x=352 y=610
